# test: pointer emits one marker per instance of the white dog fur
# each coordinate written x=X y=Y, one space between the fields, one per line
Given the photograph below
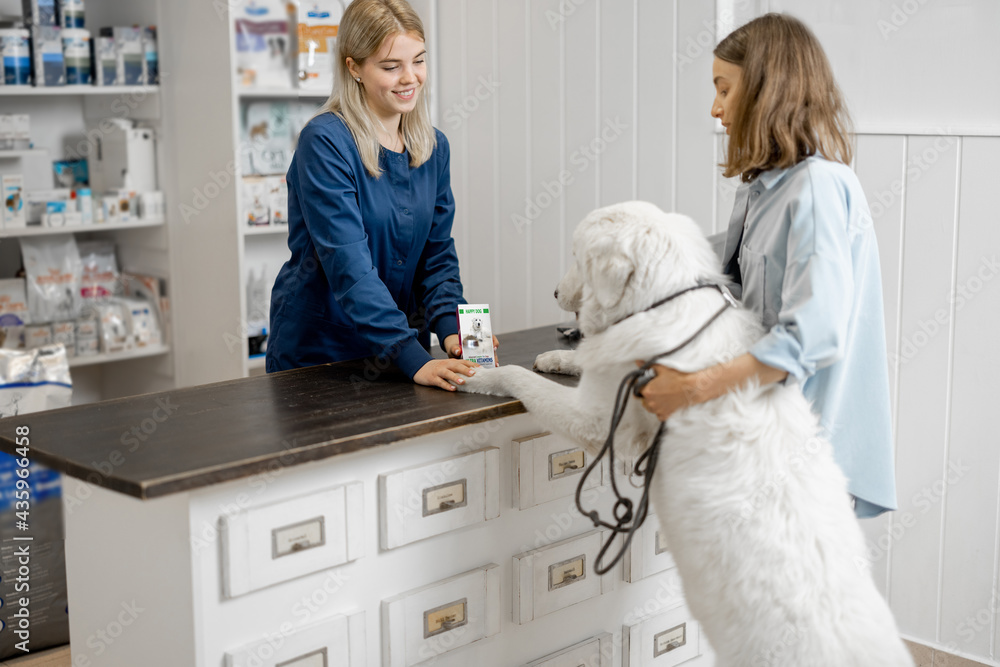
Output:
x=756 y=511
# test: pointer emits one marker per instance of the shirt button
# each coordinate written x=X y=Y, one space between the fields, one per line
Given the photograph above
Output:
x=406 y=211
x=399 y=262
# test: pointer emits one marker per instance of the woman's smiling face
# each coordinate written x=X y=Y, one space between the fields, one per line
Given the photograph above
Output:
x=393 y=76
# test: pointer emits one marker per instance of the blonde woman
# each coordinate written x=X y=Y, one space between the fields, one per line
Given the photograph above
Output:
x=802 y=248
x=373 y=268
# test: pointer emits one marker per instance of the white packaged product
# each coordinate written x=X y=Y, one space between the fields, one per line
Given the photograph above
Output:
x=16 y=56
x=142 y=322
x=105 y=61
x=13 y=313
x=63 y=333
x=263 y=43
x=318 y=23
x=53 y=269
x=254 y=200
x=76 y=51
x=35 y=380
x=476 y=334
x=71 y=13
x=37 y=335
x=100 y=278
x=50 y=66
x=14 y=213
x=115 y=335
x=277 y=199
x=129 y=53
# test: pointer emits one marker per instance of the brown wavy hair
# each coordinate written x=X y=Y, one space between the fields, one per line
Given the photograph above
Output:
x=789 y=105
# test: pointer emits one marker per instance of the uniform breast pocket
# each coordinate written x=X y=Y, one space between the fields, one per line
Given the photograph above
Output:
x=759 y=294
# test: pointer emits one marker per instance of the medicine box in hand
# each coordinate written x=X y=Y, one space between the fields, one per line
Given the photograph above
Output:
x=476 y=334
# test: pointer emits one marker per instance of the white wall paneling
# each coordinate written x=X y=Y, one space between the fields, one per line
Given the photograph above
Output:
x=924 y=362
x=972 y=470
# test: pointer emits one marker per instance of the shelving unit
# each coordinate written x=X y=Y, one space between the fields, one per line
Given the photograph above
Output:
x=18 y=154
x=103 y=358
x=52 y=91
x=105 y=227
x=265 y=230
x=59 y=130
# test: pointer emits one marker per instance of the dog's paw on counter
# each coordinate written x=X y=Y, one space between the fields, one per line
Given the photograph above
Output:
x=562 y=362
x=493 y=381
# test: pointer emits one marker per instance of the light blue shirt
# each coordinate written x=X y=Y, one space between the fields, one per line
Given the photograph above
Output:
x=810 y=270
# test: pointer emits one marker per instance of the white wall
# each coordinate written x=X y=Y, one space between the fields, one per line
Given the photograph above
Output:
x=522 y=85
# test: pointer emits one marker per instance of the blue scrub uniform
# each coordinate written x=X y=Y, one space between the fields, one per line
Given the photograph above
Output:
x=373 y=268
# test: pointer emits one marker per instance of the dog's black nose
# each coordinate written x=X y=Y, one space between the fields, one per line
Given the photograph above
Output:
x=556 y=294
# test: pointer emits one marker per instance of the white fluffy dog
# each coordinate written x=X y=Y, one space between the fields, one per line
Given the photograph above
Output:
x=755 y=510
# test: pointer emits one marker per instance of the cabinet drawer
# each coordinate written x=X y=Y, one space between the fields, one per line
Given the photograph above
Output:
x=548 y=467
x=441 y=617
x=338 y=641
x=431 y=499
x=265 y=545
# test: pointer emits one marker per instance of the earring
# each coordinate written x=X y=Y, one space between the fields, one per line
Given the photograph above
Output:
x=358 y=79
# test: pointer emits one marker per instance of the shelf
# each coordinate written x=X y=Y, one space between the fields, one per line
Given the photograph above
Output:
x=138 y=353
x=265 y=230
x=37 y=230
x=281 y=93
x=23 y=152
x=32 y=91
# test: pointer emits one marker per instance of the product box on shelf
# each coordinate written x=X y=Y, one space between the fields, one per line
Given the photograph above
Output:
x=76 y=51
x=6 y=132
x=263 y=44
x=37 y=335
x=105 y=61
x=37 y=203
x=15 y=47
x=71 y=13
x=277 y=199
x=152 y=289
x=130 y=55
x=14 y=215
x=64 y=333
x=40 y=12
x=22 y=131
x=318 y=23
x=13 y=313
x=47 y=55
x=254 y=201
x=151 y=62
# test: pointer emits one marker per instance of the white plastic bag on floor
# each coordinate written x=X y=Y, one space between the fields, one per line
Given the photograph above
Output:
x=34 y=380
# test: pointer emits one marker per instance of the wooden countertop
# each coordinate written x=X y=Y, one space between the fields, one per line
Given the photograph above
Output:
x=159 y=444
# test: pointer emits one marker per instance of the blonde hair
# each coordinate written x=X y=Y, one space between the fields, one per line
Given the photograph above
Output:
x=789 y=106
x=364 y=27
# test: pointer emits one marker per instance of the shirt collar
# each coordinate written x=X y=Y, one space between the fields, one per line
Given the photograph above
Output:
x=771 y=177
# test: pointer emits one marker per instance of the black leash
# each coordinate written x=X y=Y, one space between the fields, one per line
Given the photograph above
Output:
x=628 y=516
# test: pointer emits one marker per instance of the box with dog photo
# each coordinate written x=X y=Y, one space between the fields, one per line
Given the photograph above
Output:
x=476 y=334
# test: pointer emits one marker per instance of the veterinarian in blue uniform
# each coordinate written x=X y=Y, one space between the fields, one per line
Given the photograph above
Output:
x=802 y=247
x=373 y=268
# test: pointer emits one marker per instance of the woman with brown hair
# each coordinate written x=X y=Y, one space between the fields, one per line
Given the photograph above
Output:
x=802 y=250
x=373 y=268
